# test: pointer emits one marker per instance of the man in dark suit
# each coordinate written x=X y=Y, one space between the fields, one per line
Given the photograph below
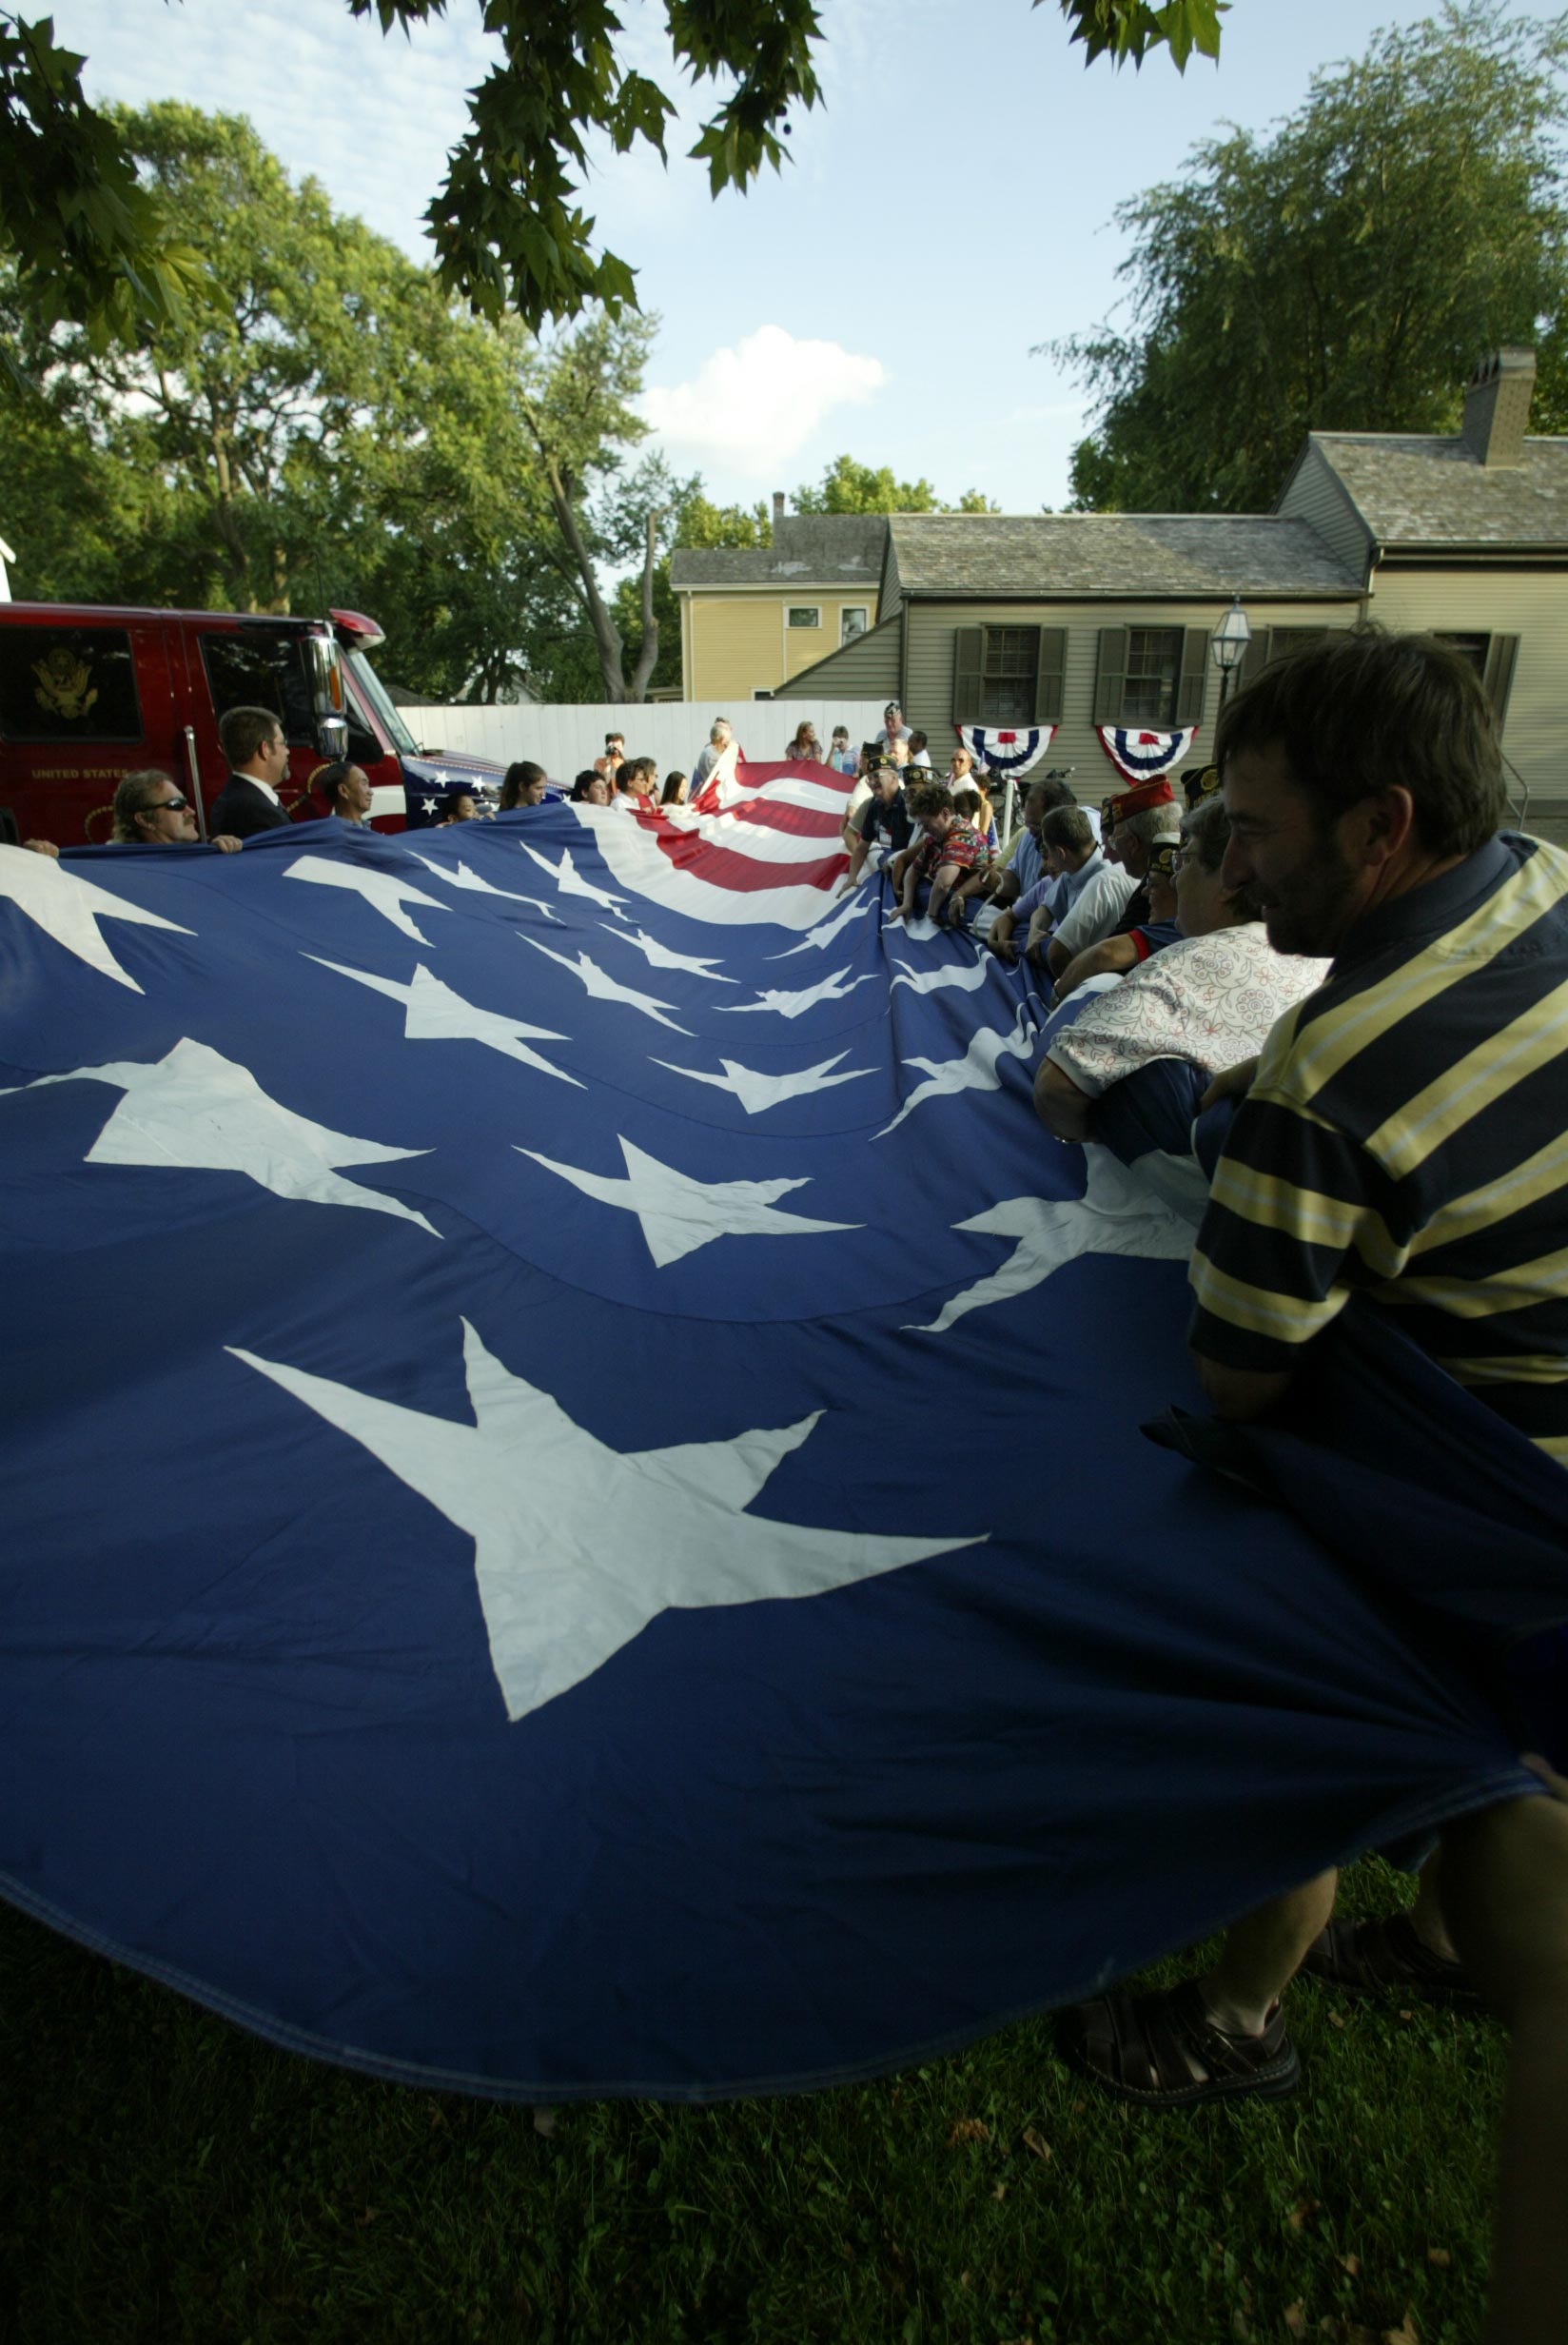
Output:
x=253 y=742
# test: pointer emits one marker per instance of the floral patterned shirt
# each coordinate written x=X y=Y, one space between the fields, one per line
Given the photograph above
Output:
x=1210 y=1000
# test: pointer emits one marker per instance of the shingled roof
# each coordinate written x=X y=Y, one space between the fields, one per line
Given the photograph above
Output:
x=1418 y=489
x=1124 y=553
x=808 y=549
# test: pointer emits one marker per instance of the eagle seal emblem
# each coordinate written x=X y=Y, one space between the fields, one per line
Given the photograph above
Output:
x=65 y=685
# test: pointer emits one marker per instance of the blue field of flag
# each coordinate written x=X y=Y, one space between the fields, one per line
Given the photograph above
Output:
x=575 y=1515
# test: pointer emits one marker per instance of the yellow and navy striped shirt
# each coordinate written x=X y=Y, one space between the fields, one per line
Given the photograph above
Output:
x=1407 y=1138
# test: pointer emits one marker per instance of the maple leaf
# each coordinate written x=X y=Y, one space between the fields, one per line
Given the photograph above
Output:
x=1406 y=2334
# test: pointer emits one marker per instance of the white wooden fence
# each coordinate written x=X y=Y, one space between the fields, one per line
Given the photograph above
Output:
x=566 y=738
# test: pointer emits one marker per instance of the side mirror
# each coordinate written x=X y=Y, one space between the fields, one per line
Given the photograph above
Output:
x=332 y=736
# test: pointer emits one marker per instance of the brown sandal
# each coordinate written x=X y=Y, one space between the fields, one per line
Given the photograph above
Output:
x=1137 y=2046
x=1372 y=1958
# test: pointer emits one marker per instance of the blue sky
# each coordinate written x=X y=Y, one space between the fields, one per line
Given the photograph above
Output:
x=950 y=206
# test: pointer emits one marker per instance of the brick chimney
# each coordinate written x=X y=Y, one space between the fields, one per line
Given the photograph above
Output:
x=778 y=503
x=1497 y=407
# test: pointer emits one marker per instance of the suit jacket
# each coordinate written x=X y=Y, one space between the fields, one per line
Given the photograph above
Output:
x=241 y=810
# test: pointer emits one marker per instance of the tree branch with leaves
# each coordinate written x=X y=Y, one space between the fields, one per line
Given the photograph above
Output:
x=92 y=245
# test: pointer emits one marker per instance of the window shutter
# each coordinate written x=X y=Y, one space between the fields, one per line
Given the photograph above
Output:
x=969 y=664
x=1110 y=675
x=1258 y=657
x=1047 y=675
x=1189 y=692
x=1501 y=652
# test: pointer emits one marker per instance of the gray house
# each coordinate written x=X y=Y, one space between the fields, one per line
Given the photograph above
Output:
x=1091 y=619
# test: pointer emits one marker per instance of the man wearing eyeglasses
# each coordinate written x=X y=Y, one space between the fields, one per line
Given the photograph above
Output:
x=253 y=742
x=150 y=810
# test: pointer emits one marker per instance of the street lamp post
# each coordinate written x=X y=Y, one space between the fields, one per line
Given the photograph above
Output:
x=1228 y=645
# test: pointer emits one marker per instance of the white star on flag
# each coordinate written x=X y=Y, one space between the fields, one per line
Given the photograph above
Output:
x=659 y=956
x=197 y=1111
x=828 y=931
x=795 y=1005
x=429 y=805
x=603 y=987
x=1115 y=1216
x=756 y=1092
x=384 y=891
x=577 y=1545
x=678 y=1214
x=69 y=909
x=967 y=976
x=460 y=877
x=978 y=1070
x=437 y=1013
x=570 y=880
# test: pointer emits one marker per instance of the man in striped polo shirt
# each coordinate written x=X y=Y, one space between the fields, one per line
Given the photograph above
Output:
x=1403 y=1136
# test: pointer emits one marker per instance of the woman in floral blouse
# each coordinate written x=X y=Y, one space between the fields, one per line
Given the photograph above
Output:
x=1181 y=1018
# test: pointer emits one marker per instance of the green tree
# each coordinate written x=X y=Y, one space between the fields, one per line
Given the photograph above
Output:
x=337 y=431
x=240 y=412
x=85 y=239
x=506 y=226
x=575 y=405
x=850 y=487
x=1345 y=273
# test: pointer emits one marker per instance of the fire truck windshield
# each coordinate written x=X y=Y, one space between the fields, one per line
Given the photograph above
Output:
x=375 y=692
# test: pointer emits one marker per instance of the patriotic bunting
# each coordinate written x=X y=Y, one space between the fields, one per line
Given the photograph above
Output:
x=1142 y=755
x=1009 y=751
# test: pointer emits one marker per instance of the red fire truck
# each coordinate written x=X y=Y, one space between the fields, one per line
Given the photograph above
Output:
x=88 y=694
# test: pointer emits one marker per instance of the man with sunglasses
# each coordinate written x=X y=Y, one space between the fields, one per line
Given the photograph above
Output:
x=149 y=810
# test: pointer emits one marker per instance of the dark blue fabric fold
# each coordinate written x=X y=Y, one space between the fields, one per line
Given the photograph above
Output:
x=1408 y=1474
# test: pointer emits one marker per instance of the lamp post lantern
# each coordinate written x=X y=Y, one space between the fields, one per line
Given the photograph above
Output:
x=1228 y=645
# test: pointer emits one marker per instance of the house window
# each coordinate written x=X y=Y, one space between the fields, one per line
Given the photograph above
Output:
x=1493 y=658
x=1154 y=670
x=853 y=619
x=1008 y=676
x=1471 y=647
x=1007 y=686
x=804 y=615
x=1150 y=676
x=67 y=685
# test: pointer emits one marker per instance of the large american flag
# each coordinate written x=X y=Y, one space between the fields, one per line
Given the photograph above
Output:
x=575 y=1516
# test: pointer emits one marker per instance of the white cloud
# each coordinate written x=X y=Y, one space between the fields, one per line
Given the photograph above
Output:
x=750 y=407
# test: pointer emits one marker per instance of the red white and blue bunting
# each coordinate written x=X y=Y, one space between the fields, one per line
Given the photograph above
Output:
x=1009 y=751
x=1145 y=756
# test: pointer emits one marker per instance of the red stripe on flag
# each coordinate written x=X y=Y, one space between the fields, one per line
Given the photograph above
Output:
x=721 y=867
x=802 y=821
x=773 y=813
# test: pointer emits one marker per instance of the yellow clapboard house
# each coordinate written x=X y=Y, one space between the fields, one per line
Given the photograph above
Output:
x=753 y=617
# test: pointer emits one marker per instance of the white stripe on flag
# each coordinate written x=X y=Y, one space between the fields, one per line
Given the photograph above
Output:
x=637 y=862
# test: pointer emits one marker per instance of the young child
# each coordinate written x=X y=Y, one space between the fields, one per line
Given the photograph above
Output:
x=951 y=851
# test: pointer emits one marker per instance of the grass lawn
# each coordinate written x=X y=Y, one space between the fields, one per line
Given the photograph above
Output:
x=166 y=2179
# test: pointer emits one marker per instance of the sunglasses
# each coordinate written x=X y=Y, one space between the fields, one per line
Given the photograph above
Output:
x=167 y=805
